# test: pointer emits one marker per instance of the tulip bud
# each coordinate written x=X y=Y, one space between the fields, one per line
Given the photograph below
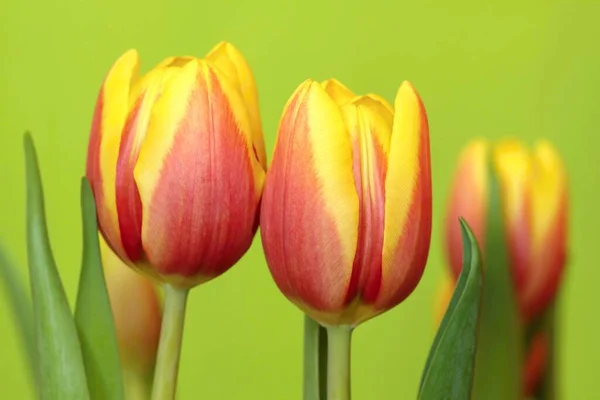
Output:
x=346 y=211
x=176 y=163
x=533 y=194
x=136 y=311
x=536 y=355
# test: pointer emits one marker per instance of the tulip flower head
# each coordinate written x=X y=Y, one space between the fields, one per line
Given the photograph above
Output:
x=533 y=192
x=346 y=209
x=176 y=162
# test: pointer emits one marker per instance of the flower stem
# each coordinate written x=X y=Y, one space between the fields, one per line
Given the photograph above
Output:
x=169 y=348
x=315 y=360
x=338 y=362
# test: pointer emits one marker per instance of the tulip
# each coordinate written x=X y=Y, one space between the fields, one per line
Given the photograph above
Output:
x=536 y=353
x=137 y=322
x=530 y=190
x=346 y=209
x=533 y=195
x=176 y=162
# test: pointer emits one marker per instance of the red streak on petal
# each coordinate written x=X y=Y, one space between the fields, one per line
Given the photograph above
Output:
x=94 y=176
x=366 y=270
x=129 y=206
x=300 y=238
x=202 y=214
x=517 y=230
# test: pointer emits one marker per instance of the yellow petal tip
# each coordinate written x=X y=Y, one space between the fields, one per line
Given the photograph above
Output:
x=407 y=94
x=338 y=91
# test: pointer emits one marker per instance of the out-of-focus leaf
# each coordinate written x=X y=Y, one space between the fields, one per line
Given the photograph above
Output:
x=18 y=299
x=93 y=314
x=448 y=372
x=60 y=364
x=499 y=360
x=315 y=360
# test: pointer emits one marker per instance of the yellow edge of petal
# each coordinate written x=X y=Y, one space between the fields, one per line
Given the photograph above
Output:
x=116 y=92
x=338 y=92
x=167 y=112
x=548 y=189
x=244 y=123
x=379 y=119
x=403 y=169
x=512 y=163
x=332 y=160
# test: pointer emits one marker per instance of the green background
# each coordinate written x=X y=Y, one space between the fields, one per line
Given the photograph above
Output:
x=515 y=68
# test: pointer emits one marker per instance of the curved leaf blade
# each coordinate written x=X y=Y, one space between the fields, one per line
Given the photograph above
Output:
x=93 y=315
x=60 y=363
x=448 y=372
x=20 y=304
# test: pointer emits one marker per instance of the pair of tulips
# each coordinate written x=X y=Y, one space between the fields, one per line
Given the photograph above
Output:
x=178 y=169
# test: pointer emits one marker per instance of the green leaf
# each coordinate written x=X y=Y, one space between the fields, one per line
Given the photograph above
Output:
x=18 y=299
x=61 y=370
x=93 y=314
x=448 y=372
x=499 y=361
x=315 y=360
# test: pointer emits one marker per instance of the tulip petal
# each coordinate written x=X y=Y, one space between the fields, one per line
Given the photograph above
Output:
x=338 y=92
x=109 y=118
x=548 y=229
x=381 y=106
x=309 y=216
x=228 y=59
x=210 y=204
x=370 y=135
x=129 y=206
x=407 y=229
x=512 y=162
x=468 y=199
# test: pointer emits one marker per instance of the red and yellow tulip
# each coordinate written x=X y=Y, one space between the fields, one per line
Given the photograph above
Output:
x=176 y=161
x=346 y=210
x=533 y=192
x=136 y=309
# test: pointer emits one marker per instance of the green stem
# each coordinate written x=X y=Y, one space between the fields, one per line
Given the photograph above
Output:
x=315 y=360
x=338 y=362
x=169 y=348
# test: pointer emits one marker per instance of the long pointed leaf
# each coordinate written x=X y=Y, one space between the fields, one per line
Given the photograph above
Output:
x=93 y=314
x=315 y=360
x=499 y=361
x=448 y=372
x=61 y=370
x=18 y=299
